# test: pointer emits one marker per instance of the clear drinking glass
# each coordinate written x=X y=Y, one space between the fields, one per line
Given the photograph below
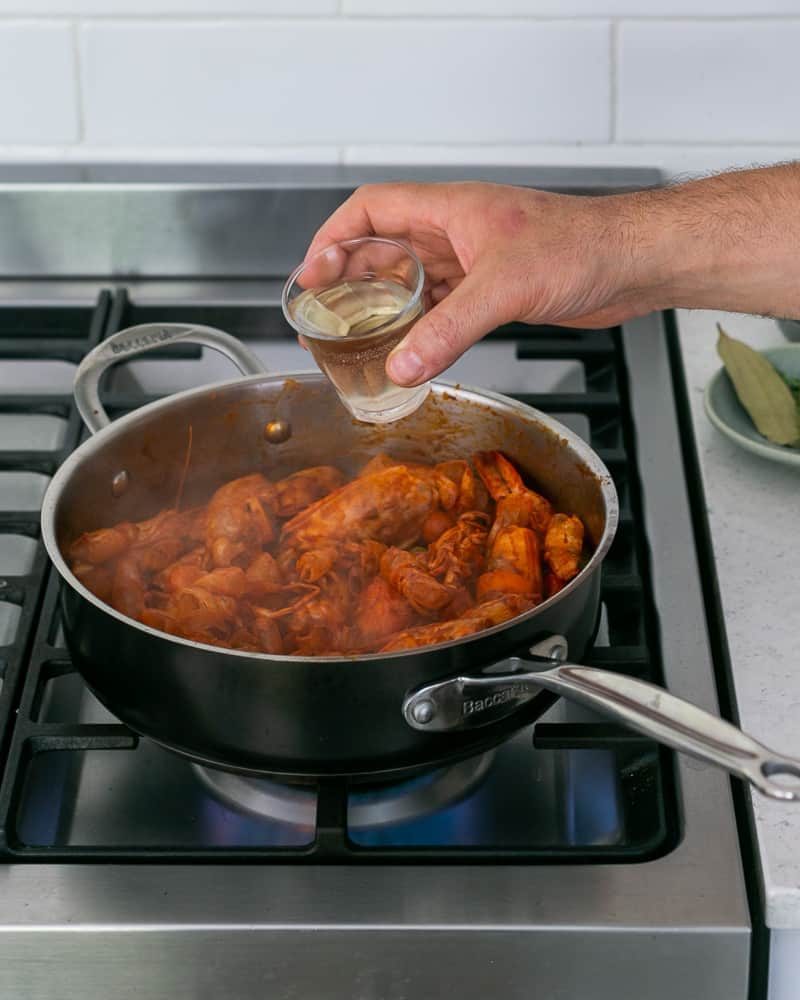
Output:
x=352 y=303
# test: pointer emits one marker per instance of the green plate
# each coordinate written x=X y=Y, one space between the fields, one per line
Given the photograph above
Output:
x=728 y=415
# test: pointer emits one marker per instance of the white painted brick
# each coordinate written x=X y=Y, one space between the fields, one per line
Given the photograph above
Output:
x=345 y=81
x=708 y=82
x=113 y=8
x=571 y=8
x=37 y=83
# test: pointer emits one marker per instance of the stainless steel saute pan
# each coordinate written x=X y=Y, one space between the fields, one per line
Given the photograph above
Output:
x=377 y=715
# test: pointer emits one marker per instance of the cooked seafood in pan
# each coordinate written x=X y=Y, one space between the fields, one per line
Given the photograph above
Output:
x=403 y=555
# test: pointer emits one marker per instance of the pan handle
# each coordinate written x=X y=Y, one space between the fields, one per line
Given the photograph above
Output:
x=465 y=702
x=139 y=340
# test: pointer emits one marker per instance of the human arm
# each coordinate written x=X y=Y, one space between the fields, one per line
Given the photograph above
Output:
x=495 y=254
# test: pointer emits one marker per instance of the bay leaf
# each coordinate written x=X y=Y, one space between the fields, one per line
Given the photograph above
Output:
x=761 y=390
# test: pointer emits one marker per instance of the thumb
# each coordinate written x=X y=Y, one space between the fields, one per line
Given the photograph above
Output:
x=442 y=335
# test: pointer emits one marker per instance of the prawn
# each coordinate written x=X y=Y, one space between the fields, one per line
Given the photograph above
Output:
x=513 y=565
x=296 y=492
x=515 y=503
x=382 y=611
x=563 y=544
x=239 y=519
x=408 y=574
x=485 y=615
x=457 y=556
x=388 y=507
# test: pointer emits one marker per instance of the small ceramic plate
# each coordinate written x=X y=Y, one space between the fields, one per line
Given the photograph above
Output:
x=728 y=415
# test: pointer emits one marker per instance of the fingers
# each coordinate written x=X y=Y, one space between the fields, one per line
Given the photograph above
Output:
x=466 y=314
x=443 y=288
x=373 y=257
x=324 y=270
x=383 y=209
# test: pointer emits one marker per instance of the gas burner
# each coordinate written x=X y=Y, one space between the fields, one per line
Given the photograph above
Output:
x=368 y=807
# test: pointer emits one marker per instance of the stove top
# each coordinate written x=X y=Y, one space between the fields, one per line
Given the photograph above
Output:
x=573 y=826
x=573 y=786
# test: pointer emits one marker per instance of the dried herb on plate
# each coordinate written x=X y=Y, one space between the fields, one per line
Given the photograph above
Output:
x=761 y=390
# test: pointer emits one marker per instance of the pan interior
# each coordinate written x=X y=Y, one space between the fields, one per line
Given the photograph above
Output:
x=227 y=423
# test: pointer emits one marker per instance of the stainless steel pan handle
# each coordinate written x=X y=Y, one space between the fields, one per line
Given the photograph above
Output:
x=465 y=702
x=139 y=340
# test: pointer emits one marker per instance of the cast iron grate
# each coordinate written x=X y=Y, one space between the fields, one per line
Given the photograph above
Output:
x=646 y=771
x=51 y=334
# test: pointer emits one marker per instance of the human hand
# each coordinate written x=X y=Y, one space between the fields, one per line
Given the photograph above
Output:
x=494 y=254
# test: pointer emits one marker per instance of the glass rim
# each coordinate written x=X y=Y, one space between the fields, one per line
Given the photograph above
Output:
x=412 y=303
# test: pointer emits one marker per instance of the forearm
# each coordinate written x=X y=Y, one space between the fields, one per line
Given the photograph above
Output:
x=726 y=242
x=494 y=254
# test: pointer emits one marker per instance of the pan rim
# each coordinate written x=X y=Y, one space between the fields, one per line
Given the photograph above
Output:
x=584 y=452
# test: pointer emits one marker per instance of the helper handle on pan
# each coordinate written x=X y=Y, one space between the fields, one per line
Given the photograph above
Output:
x=466 y=702
x=139 y=340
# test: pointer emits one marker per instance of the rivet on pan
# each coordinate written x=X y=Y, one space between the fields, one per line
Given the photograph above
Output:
x=277 y=431
x=423 y=712
x=555 y=647
x=119 y=483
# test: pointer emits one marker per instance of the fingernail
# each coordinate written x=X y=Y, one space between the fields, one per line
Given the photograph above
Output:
x=405 y=367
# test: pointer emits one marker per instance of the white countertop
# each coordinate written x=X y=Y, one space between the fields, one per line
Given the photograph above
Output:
x=754 y=511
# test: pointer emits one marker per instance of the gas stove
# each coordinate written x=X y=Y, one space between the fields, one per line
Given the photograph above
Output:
x=573 y=860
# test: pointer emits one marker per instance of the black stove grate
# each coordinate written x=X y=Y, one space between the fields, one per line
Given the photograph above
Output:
x=53 y=334
x=37 y=659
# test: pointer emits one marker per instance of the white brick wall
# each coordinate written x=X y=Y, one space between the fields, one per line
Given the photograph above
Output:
x=38 y=93
x=708 y=81
x=685 y=84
